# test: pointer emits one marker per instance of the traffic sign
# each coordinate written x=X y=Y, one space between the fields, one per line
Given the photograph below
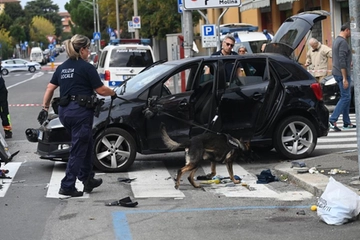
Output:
x=112 y=35
x=109 y=30
x=51 y=46
x=50 y=38
x=180 y=6
x=26 y=44
x=131 y=26
x=208 y=35
x=96 y=36
x=202 y=4
x=136 y=22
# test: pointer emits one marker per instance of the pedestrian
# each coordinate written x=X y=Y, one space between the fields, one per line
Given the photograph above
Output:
x=317 y=59
x=242 y=50
x=341 y=70
x=4 y=107
x=227 y=46
x=227 y=50
x=77 y=80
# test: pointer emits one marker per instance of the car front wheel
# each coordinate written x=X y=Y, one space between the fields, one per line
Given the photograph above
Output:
x=115 y=150
x=295 y=137
x=5 y=72
x=32 y=69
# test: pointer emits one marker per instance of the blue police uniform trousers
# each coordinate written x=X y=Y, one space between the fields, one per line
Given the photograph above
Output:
x=343 y=105
x=78 y=122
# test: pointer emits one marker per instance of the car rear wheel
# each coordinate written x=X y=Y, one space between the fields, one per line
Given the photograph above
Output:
x=295 y=137
x=32 y=69
x=115 y=150
x=4 y=72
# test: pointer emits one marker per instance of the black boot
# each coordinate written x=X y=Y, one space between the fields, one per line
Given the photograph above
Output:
x=91 y=183
x=8 y=133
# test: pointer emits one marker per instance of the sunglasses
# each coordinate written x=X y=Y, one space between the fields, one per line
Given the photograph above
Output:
x=229 y=44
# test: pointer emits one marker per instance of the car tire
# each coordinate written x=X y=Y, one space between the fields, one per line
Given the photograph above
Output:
x=4 y=72
x=115 y=150
x=32 y=69
x=295 y=132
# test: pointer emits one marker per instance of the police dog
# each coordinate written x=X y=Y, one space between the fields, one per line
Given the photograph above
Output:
x=208 y=146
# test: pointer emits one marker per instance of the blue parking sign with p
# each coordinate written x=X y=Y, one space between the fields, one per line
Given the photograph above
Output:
x=208 y=30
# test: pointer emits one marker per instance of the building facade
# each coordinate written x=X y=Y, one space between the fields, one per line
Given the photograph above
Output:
x=270 y=14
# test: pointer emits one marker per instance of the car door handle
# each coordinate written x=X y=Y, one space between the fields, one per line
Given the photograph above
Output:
x=257 y=96
x=183 y=104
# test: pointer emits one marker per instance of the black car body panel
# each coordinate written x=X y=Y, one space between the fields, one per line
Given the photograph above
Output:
x=331 y=91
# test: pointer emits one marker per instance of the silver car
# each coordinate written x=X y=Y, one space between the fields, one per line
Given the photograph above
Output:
x=11 y=65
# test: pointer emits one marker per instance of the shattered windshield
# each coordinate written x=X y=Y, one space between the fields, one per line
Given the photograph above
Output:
x=143 y=79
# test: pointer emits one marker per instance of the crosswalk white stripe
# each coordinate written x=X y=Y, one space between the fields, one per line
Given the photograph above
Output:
x=259 y=190
x=13 y=167
x=156 y=182
x=336 y=146
x=339 y=140
x=341 y=134
x=58 y=173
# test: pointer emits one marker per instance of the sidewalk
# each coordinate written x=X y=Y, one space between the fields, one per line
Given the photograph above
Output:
x=346 y=162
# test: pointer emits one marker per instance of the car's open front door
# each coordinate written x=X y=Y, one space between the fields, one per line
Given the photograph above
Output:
x=171 y=107
x=243 y=102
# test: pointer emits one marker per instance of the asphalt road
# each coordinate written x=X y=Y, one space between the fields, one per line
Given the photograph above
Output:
x=30 y=208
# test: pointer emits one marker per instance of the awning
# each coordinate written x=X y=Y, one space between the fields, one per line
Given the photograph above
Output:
x=284 y=1
x=252 y=4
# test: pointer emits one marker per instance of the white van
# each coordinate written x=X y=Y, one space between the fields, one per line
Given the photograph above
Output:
x=251 y=40
x=36 y=55
x=120 y=62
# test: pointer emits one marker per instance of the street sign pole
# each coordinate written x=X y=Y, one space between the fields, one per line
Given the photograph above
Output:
x=136 y=14
x=354 y=7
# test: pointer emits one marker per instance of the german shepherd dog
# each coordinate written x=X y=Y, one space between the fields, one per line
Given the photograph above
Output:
x=208 y=146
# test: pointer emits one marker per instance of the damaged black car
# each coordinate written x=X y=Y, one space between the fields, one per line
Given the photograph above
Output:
x=267 y=98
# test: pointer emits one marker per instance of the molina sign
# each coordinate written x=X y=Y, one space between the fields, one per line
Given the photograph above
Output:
x=201 y=4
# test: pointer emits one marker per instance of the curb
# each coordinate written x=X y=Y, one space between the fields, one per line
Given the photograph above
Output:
x=313 y=183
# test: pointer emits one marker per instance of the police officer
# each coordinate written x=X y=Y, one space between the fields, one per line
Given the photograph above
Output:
x=77 y=80
x=4 y=107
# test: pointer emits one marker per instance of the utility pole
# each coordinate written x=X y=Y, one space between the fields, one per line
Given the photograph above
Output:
x=354 y=7
x=96 y=44
x=188 y=33
x=136 y=14
x=117 y=20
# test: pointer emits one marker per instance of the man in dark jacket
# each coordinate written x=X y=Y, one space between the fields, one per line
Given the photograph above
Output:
x=4 y=107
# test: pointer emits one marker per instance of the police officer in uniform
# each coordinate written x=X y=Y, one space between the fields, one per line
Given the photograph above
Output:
x=4 y=107
x=77 y=80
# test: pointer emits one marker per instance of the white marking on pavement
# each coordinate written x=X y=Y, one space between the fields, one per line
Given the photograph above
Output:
x=36 y=75
x=257 y=190
x=153 y=183
x=54 y=185
x=13 y=167
x=336 y=146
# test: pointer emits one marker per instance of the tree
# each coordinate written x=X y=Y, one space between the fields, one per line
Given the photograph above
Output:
x=14 y=10
x=82 y=16
x=6 y=42
x=17 y=33
x=40 y=28
x=46 y=9
x=5 y=21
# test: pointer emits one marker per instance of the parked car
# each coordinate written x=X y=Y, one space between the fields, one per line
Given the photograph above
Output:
x=274 y=102
x=47 y=55
x=17 y=64
x=331 y=91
